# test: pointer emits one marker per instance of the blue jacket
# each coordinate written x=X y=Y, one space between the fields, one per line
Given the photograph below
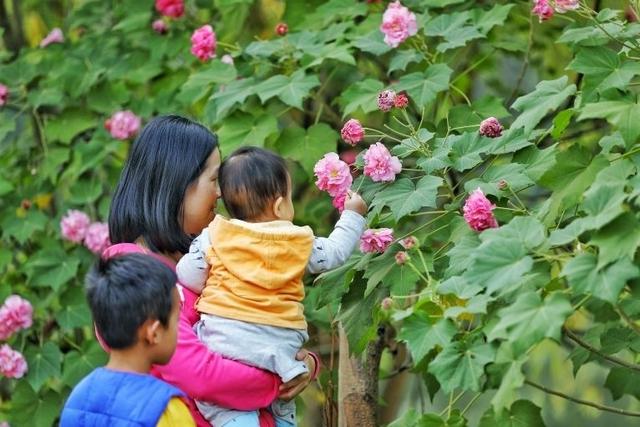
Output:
x=117 y=399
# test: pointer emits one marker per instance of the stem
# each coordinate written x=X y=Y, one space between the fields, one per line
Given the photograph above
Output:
x=396 y=131
x=582 y=402
x=466 y=408
x=525 y=63
x=473 y=66
x=522 y=205
x=414 y=268
x=628 y=320
x=461 y=93
x=426 y=224
x=428 y=213
x=592 y=349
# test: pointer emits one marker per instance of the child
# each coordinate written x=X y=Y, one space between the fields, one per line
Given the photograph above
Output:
x=135 y=306
x=253 y=266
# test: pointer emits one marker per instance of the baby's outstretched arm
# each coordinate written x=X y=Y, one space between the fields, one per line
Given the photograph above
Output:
x=192 y=269
x=333 y=251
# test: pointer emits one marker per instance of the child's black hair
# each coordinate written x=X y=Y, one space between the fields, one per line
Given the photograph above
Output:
x=252 y=178
x=169 y=155
x=126 y=290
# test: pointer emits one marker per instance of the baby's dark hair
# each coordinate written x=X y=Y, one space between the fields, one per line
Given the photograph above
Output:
x=252 y=178
x=126 y=290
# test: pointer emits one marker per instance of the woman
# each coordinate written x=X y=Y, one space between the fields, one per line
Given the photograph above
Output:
x=166 y=194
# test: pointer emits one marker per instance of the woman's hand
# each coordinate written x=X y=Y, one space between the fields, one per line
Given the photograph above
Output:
x=294 y=387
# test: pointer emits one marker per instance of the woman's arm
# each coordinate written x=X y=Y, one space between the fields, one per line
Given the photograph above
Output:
x=207 y=376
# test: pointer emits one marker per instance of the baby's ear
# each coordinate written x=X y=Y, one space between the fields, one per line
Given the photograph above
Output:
x=278 y=207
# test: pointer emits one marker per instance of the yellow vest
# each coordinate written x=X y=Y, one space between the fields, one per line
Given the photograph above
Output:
x=256 y=272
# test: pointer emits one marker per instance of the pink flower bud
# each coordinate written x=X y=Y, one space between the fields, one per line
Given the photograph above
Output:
x=55 y=36
x=409 y=242
x=203 y=43
x=401 y=258
x=401 y=101
x=352 y=132
x=386 y=303
x=227 y=59
x=563 y=6
x=159 y=26
x=170 y=8
x=543 y=10
x=491 y=128
x=282 y=29
x=386 y=100
x=4 y=94
x=502 y=184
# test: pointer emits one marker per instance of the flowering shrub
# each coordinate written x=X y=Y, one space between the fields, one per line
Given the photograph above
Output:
x=494 y=142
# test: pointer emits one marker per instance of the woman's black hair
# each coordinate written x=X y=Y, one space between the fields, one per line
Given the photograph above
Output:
x=169 y=155
x=124 y=292
x=252 y=178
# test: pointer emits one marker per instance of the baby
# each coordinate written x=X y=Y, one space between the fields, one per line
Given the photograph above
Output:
x=249 y=272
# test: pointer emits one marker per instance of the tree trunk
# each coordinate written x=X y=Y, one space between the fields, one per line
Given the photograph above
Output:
x=358 y=384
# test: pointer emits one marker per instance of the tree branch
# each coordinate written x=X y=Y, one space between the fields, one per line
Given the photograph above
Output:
x=583 y=402
x=592 y=349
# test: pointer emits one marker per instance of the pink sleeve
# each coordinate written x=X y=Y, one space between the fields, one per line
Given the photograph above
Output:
x=207 y=376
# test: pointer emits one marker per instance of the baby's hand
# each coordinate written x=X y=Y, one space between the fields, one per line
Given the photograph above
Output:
x=354 y=202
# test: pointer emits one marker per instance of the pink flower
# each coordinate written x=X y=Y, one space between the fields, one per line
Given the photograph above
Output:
x=15 y=314
x=379 y=165
x=74 y=225
x=123 y=125
x=401 y=101
x=409 y=242
x=376 y=240
x=282 y=29
x=338 y=201
x=159 y=26
x=170 y=8
x=401 y=258
x=398 y=24
x=227 y=59
x=491 y=128
x=12 y=363
x=97 y=238
x=386 y=100
x=478 y=211
x=352 y=132
x=4 y=424
x=563 y=6
x=203 y=43
x=542 y=9
x=333 y=175
x=4 y=94
x=55 y=36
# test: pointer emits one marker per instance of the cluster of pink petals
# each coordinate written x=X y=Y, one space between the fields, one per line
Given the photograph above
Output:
x=333 y=175
x=478 y=211
x=170 y=8
x=376 y=240
x=203 y=43
x=409 y=242
x=352 y=132
x=55 y=36
x=379 y=165
x=159 y=26
x=74 y=225
x=563 y=6
x=338 y=201
x=386 y=100
x=543 y=9
x=15 y=314
x=12 y=363
x=491 y=128
x=97 y=237
x=398 y=24
x=123 y=125
x=4 y=94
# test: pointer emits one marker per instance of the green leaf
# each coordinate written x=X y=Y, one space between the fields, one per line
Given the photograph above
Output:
x=529 y=320
x=460 y=365
x=523 y=413
x=335 y=283
x=307 y=147
x=485 y=20
x=85 y=192
x=333 y=51
x=402 y=59
x=423 y=87
x=78 y=365
x=561 y=122
x=459 y=37
x=466 y=150
x=525 y=229
x=606 y=283
x=226 y=98
x=372 y=42
x=440 y=3
x=461 y=255
x=621 y=113
x=290 y=90
x=423 y=335
x=512 y=173
x=512 y=140
x=384 y=269
x=621 y=381
x=409 y=419
x=362 y=95
x=476 y=305
x=460 y=287
x=617 y=240
x=548 y=96
x=75 y=312
x=200 y=84
x=30 y=409
x=23 y=228
x=356 y=314
x=499 y=264
x=69 y=124
x=512 y=380
x=44 y=363
x=537 y=162
x=433 y=420
x=595 y=60
x=244 y=129
x=403 y=197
